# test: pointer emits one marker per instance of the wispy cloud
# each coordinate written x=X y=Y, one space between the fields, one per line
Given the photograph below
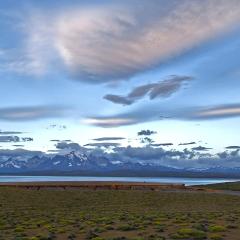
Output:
x=35 y=50
x=161 y=144
x=187 y=143
x=118 y=99
x=68 y=146
x=162 y=89
x=24 y=153
x=10 y=132
x=233 y=147
x=200 y=148
x=156 y=113
x=12 y=138
x=109 y=121
x=108 y=139
x=27 y=139
x=57 y=126
x=127 y=40
x=31 y=113
x=18 y=145
x=221 y=111
x=103 y=144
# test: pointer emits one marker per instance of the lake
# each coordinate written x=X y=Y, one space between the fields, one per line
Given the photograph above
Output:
x=186 y=181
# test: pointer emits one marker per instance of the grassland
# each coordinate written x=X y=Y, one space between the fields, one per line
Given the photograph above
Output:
x=117 y=215
x=231 y=186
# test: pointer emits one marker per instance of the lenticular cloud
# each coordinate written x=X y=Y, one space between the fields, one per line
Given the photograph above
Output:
x=116 y=42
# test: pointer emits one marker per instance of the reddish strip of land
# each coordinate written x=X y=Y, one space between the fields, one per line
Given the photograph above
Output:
x=96 y=185
x=105 y=186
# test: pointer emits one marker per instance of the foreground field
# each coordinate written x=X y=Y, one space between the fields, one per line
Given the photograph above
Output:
x=118 y=215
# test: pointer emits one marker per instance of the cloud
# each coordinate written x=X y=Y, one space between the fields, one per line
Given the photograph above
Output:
x=108 y=139
x=27 y=139
x=168 y=87
x=31 y=113
x=174 y=158
x=147 y=140
x=10 y=139
x=161 y=144
x=34 y=53
x=53 y=151
x=109 y=122
x=215 y=112
x=10 y=132
x=19 y=153
x=127 y=40
x=150 y=113
x=229 y=154
x=161 y=89
x=15 y=139
x=146 y=132
x=148 y=154
x=69 y=146
x=103 y=144
x=188 y=143
x=200 y=148
x=143 y=114
x=118 y=99
x=232 y=147
x=57 y=126
x=77 y=147
x=57 y=140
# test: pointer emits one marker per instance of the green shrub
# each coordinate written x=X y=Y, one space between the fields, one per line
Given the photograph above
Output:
x=217 y=228
x=19 y=229
x=177 y=236
x=126 y=228
x=200 y=227
x=159 y=228
x=109 y=227
x=193 y=233
x=97 y=238
x=99 y=229
x=216 y=237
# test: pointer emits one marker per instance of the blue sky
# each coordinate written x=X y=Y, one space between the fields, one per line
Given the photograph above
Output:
x=79 y=70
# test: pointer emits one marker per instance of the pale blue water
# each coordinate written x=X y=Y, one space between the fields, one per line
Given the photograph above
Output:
x=186 y=181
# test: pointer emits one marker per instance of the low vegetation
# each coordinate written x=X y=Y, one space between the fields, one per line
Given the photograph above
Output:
x=117 y=215
x=232 y=186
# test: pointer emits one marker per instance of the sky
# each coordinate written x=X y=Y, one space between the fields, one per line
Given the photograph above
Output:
x=72 y=72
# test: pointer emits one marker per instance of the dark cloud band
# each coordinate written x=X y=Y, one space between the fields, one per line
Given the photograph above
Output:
x=160 y=89
x=31 y=113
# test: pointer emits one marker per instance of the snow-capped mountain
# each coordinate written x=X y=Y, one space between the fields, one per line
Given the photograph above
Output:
x=71 y=160
x=68 y=162
x=81 y=163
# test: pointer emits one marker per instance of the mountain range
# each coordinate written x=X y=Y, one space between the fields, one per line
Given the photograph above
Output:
x=75 y=163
